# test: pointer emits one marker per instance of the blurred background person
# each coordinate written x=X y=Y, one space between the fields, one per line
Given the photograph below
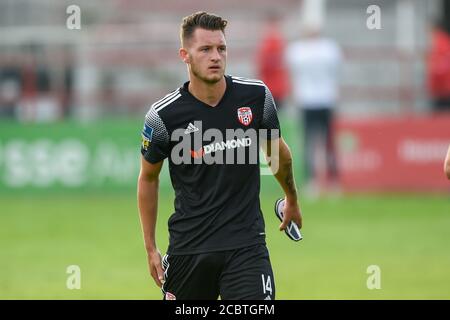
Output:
x=438 y=65
x=271 y=65
x=10 y=90
x=314 y=64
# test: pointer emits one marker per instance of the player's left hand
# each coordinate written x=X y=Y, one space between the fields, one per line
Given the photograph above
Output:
x=291 y=213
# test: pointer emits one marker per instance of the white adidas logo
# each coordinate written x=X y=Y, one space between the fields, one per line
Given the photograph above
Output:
x=191 y=128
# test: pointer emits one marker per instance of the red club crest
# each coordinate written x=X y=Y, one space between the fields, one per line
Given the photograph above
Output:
x=245 y=115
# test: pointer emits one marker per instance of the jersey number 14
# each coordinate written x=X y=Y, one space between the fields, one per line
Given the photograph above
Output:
x=267 y=284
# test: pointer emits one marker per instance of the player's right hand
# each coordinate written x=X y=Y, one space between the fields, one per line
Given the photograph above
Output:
x=155 y=266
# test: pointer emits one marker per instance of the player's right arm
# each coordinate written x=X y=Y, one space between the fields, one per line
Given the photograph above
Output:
x=447 y=164
x=148 y=183
x=154 y=149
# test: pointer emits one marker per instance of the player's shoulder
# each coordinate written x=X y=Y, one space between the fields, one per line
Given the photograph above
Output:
x=166 y=102
x=249 y=87
x=247 y=82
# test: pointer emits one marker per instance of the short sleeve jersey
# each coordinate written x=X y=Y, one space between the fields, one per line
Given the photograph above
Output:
x=213 y=156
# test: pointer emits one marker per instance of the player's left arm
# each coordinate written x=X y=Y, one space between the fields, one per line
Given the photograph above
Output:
x=447 y=164
x=281 y=165
x=280 y=161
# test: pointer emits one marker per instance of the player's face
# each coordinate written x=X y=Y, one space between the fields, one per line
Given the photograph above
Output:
x=207 y=55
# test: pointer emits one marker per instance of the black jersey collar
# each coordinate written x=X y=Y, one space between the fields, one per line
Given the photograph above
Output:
x=185 y=91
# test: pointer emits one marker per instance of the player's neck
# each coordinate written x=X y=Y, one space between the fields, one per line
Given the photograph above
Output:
x=211 y=94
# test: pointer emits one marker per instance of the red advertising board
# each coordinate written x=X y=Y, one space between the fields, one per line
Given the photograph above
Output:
x=402 y=154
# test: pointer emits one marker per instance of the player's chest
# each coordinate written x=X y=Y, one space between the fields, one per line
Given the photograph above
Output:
x=245 y=115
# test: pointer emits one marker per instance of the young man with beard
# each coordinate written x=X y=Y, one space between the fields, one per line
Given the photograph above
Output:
x=217 y=239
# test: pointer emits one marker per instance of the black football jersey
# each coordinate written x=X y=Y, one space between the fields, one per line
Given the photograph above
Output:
x=213 y=155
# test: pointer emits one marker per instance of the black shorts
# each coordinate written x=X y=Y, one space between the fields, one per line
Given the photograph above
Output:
x=240 y=274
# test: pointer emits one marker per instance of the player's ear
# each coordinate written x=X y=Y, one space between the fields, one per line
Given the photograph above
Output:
x=184 y=55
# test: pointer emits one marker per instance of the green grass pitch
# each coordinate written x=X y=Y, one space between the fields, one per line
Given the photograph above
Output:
x=407 y=236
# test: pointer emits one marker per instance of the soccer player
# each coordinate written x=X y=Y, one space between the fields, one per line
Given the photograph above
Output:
x=217 y=238
x=447 y=164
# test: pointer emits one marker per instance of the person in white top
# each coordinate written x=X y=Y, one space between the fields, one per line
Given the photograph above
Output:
x=314 y=66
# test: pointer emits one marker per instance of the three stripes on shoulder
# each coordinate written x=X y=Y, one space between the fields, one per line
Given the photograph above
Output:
x=168 y=99
x=247 y=81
